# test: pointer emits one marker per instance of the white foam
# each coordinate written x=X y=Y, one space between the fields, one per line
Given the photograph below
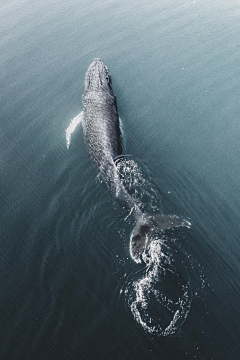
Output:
x=144 y=194
x=145 y=289
x=72 y=126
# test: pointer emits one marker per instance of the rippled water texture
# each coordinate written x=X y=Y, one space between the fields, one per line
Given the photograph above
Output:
x=69 y=287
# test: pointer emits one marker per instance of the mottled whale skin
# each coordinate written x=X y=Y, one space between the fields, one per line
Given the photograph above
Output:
x=102 y=136
x=101 y=122
x=102 y=133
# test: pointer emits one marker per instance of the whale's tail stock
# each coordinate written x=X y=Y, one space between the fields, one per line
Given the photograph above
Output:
x=146 y=225
x=145 y=228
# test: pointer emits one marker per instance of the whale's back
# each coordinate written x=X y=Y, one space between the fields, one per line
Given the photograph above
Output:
x=101 y=126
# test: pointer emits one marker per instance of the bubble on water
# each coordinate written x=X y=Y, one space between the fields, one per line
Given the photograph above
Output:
x=144 y=193
x=160 y=301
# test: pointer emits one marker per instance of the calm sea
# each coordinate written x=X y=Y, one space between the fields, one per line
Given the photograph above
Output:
x=69 y=288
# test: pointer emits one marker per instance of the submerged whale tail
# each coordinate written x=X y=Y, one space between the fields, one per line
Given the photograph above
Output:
x=145 y=227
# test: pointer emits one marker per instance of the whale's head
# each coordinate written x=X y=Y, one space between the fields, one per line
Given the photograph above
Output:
x=97 y=77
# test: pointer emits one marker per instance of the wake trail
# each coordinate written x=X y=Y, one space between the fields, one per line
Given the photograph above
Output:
x=161 y=298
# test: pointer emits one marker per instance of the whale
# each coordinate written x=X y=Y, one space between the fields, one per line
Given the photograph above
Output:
x=103 y=139
x=101 y=129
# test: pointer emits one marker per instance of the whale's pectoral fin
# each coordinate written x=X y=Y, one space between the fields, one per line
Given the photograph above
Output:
x=145 y=227
x=72 y=126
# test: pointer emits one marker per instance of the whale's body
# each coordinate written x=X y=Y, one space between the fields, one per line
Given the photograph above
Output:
x=102 y=136
x=101 y=122
x=102 y=131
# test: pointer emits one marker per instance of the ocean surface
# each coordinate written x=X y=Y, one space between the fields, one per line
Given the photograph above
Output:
x=69 y=288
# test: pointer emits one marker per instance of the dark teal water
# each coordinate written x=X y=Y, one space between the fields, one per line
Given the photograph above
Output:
x=68 y=284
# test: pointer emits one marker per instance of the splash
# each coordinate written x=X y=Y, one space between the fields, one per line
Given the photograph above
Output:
x=160 y=299
x=143 y=192
x=72 y=126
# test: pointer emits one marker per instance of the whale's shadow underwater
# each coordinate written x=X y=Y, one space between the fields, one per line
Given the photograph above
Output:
x=102 y=136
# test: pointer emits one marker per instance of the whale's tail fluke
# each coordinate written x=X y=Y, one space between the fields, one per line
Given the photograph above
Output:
x=145 y=228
